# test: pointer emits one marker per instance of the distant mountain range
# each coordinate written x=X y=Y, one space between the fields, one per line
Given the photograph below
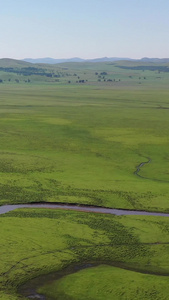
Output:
x=49 y=60
x=27 y=62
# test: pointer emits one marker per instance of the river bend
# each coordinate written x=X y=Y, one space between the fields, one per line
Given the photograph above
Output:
x=84 y=208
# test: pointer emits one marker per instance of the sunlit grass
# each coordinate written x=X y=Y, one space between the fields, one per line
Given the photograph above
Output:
x=83 y=145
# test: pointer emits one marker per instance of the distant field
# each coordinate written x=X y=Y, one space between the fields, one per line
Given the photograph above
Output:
x=122 y=74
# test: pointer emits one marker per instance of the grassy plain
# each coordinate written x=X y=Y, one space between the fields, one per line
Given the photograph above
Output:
x=82 y=143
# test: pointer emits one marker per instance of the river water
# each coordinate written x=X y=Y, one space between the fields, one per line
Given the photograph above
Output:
x=6 y=208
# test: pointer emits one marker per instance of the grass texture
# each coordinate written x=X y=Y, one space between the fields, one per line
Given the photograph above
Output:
x=106 y=282
x=83 y=145
x=40 y=241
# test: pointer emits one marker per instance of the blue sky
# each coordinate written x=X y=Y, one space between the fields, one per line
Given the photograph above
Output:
x=86 y=29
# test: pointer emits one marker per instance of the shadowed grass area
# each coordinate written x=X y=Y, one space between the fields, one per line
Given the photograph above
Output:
x=105 y=282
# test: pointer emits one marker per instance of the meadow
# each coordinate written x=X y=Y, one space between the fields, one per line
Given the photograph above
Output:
x=41 y=241
x=82 y=143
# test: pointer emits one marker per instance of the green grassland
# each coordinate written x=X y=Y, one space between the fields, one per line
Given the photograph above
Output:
x=82 y=143
x=40 y=241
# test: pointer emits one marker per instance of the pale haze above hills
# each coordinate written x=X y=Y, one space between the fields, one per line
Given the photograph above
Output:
x=49 y=60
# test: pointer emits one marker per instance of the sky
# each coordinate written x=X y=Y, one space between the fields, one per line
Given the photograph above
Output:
x=86 y=29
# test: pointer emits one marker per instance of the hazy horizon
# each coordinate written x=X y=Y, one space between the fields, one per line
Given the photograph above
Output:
x=85 y=59
x=91 y=29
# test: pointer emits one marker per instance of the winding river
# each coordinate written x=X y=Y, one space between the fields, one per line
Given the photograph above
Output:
x=87 y=208
x=140 y=166
x=84 y=208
